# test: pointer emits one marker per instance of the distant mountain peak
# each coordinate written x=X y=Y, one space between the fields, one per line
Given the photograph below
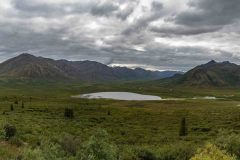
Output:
x=139 y=69
x=25 y=55
x=213 y=74
x=210 y=63
x=26 y=65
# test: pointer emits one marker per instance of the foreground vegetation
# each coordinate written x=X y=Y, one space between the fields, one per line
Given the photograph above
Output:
x=51 y=125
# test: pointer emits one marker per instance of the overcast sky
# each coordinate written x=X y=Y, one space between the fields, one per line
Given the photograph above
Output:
x=153 y=34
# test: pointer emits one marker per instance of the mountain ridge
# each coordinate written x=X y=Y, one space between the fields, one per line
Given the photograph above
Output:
x=29 y=66
x=212 y=74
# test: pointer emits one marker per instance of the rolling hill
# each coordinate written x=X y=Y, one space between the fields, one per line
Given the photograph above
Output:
x=29 y=66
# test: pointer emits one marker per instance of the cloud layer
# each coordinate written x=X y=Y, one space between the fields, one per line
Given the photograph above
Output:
x=154 y=34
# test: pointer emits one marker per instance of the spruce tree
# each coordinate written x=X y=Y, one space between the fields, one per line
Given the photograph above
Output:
x=22 y=104
x=11 y=107
x=183 y=127
x=68 y=113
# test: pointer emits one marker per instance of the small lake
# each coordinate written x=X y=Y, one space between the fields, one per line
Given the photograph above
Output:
x=119 y=96
x=129 y=96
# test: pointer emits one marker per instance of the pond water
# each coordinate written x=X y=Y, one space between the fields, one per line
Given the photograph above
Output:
x=119 y=96
x=206 y=97
x=129 y=96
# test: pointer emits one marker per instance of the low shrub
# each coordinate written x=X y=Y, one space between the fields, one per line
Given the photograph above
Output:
x=99 y=148
x=229 y=142
x=70 y=144
x=16 y=141
x=23 y=104
x=47 y=151
x=68 y=113
x=11 y=107
x=10 y=131
x=181 y=151
x=211 y=152
x=146 y=154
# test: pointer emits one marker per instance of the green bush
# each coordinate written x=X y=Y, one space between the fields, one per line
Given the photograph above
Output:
x=211 y=152
x=127 y=152
x=30 y=154
x=16 y=101
x=181 y=151
x=16 y=141
x=68 y=113
x=229 y=142
x=177 y=151
x=146 y=154
x=10 y=131
x=47 y=151
x=70 y=144
x=99 y=148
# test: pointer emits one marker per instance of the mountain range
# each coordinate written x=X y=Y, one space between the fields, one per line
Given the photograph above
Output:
x=211 y=74
x=30 y=66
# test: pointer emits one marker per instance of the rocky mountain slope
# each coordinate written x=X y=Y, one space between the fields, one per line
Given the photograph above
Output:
x=29 y=66
x=212 y=74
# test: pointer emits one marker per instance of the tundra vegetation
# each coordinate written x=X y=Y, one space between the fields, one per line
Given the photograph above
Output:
x=45 y=123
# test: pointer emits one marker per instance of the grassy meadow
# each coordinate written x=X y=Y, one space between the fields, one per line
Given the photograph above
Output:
x=139 y=129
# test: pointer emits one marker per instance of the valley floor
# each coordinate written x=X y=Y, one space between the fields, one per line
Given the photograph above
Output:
x=133 y=126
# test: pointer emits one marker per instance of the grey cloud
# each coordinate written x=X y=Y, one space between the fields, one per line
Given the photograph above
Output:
x=209 y=13
x=72 y=30
x=124 y=14
x=142 y=23
x=104 y=9
x=202 y=16
x=165 y=57
x=29 y=8
x=181 y=30
x=156 y=6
